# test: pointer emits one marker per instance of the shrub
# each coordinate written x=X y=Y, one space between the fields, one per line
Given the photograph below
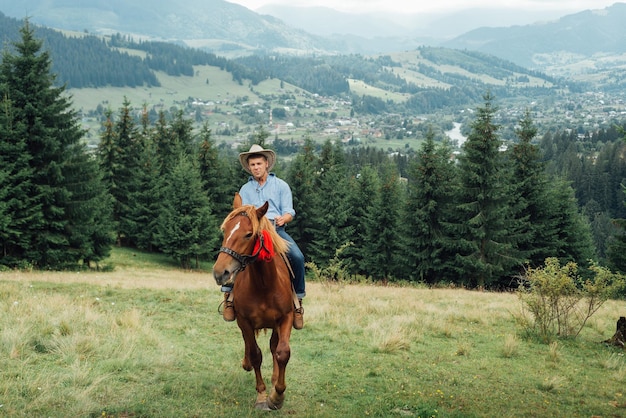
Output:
x=336 y=270
x=560 y=302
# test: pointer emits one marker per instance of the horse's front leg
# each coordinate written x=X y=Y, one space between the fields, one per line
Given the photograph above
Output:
x=281 y=352
x=252 y=359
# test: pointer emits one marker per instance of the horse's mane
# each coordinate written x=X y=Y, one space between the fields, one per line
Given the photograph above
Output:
x=280 y=245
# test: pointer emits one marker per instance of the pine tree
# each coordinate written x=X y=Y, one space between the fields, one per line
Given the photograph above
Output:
x=5 y=183
x=431 y=189
x=182 y=133
x=332 y=229
x=530 y=199
x=573 y=241
x=216 y=175
x=118 y=155
x=302 y=179
x=90 y=208
x=382 y=227
x=363 y=187
x=487 y=252
x=616 y=252
x=107 y=151
x=147 y=199
x=186 y=226
x=166 y=144
x=18 y=209
x=41 y=117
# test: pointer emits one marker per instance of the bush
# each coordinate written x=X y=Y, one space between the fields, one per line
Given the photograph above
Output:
x=560 y=302
x=336 y=270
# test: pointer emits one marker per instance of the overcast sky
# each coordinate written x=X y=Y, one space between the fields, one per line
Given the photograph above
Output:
x=410 y=6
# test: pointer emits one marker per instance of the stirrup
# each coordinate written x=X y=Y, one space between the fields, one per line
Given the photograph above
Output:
x=230 y=308
x=220 y=307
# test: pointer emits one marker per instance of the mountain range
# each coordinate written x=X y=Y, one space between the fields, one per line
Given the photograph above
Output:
x=232 y=30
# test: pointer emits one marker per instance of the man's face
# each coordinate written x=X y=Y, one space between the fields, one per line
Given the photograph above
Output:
x=258 y=166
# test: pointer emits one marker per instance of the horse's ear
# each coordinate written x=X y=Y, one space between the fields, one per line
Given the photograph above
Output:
x=237 y=201
x=260 y=212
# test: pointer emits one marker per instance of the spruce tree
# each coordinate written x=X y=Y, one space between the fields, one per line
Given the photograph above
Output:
x=42 y=118
x=90 y=208
x=432 y=185
x=332 y=223
x=5 y=184
x=616 y=252
x=573 y=240
x=530 y=197
x=119 y=154
x=487 y=252
x=382 y=227
x=147 y=199
x=107 y=151
x=18 y=209
x=181 y=129
x=216 y=175
x=186 y=227
x=363 y=187
x=302 y=179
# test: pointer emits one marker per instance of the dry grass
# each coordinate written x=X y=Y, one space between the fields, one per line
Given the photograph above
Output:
x=511 y=346
x=143 y=341
x=127 y=278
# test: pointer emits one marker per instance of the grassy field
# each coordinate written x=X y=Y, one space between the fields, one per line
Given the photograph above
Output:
x=146 y=341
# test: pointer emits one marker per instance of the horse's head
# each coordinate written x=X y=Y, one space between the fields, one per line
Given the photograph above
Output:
x=242 y=228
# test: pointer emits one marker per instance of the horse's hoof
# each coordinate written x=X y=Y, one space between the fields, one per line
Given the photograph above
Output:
x=271 y=406
x=275 y=401
x=262 y=406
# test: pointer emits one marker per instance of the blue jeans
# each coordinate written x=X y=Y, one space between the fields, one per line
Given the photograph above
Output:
x=296 y=259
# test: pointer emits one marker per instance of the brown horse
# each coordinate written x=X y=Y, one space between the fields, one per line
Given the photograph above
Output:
x=262 y=292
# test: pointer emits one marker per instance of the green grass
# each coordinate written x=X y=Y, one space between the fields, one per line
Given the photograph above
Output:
x=146 y=341
x=360 y=88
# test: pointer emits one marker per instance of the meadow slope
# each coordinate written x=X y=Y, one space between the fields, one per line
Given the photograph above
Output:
x=146 y=341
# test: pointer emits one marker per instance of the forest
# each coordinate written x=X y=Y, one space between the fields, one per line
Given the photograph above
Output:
x=85 y=60
x=476 y=219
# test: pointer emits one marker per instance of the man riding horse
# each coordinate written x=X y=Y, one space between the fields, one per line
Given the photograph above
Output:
x=264 y=186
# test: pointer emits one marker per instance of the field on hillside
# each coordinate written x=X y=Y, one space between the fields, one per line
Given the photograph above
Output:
x=146 y=341
x=223 y=97
x=173 y=90
x=209 y=84
x=360 y=88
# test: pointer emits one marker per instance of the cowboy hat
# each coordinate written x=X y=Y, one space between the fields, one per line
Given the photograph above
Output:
x=256 y=149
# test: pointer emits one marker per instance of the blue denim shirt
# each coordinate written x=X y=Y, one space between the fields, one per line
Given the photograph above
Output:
x=275 y=191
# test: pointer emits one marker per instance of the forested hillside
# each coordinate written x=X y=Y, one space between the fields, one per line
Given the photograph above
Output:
x=83 y=60
x=424 y=214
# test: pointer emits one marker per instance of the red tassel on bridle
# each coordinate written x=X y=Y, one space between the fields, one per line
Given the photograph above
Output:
x=264 y=246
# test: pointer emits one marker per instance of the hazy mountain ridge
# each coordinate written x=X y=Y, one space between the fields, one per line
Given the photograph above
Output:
x=203 y=22
x=586 y=33
x=230 y=30
x=224 y=27
x=436 y=27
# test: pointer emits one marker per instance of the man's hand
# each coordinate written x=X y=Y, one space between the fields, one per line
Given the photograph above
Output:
x=282 y=219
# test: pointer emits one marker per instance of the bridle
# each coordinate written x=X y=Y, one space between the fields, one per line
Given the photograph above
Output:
x=244 y=259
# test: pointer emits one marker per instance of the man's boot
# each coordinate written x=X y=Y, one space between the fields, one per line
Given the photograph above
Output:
x=298 y=316
x=229 y=308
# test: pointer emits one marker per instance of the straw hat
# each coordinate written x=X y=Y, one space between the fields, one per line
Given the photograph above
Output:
x=257 y=149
